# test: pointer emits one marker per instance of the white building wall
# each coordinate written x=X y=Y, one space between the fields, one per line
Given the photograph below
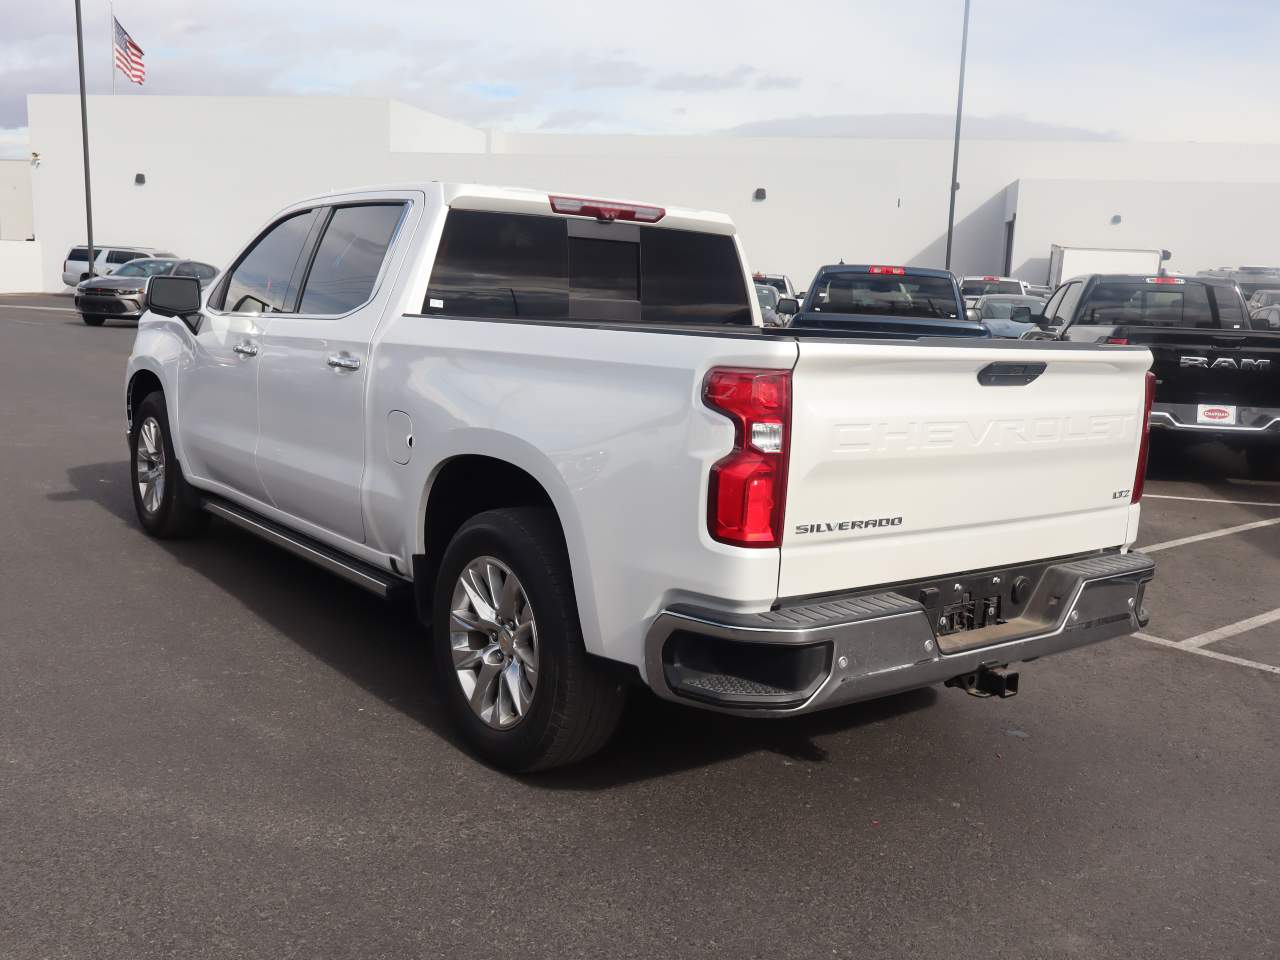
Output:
x=218 y=167
x=1201 y=224
x=15 y=200
x=20 y=266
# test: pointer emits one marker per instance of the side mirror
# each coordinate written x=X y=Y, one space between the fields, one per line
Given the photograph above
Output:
x=787 y=306
x=175 y=297
x=1020 y=314
x=972 y=315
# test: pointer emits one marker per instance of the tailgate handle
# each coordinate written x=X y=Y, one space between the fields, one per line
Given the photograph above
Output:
x=1007 y=374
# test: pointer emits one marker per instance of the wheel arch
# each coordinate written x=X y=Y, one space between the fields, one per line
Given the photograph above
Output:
x=465 y=484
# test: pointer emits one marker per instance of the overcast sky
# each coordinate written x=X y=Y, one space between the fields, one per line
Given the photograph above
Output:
x=1173 y=70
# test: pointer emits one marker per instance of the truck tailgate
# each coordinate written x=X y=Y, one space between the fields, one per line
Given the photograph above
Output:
x=1214 y=366
x=904 y=465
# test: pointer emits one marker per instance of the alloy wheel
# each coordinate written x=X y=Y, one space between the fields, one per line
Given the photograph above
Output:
x=149 y=465
x=494 y=642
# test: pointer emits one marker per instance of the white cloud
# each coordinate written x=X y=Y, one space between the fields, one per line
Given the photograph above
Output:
x=1141 y=69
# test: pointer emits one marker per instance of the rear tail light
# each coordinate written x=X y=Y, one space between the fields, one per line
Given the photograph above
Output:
x=1144 y=445
x=895 y=271
x=748 y=487
x=1117 y=341
x=606 y=209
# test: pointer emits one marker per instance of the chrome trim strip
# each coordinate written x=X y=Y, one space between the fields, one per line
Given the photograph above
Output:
x=1167 y=419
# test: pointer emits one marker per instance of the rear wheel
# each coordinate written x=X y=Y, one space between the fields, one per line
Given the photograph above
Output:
x=1264 y=462
x=165 y=504
x=92 y=319
x=510 y=659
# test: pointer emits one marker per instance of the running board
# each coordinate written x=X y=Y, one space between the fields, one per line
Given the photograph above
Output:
x=353 y=571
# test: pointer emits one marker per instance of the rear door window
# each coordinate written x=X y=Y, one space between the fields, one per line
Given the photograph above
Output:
x=265 y=279
x=78 y=253
x=1142 y=304
x=117 y=257
x=1230 y=312
x=349 y=258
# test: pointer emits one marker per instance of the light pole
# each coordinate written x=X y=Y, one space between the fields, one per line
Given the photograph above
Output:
x=84 y=131
x=955 y=154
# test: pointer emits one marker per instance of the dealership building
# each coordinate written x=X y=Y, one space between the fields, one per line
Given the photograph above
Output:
x=198 y=175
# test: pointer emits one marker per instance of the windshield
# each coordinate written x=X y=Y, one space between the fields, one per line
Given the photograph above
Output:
x=1002 y=309
x=979 y=287
x=767 y=295
x=895 y=296
x=144 y=268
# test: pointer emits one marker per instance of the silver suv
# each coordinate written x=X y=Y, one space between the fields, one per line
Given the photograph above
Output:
x=106 y=259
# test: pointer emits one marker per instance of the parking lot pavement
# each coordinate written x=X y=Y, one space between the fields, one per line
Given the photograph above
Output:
x=211 y=749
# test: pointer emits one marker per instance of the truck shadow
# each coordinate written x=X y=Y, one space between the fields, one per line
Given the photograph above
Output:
x=381 y=647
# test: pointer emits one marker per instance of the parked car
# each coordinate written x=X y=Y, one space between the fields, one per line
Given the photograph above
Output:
x=1250 y=278
x=1039 y=290
x=1264 y=309
x=768 y=298
x=1217 y=377
x=119 y=296
x=559 y=425
x=975 y=287
x=1007 y=315
x=779 y=281
x=889 y=300
x=106 y=260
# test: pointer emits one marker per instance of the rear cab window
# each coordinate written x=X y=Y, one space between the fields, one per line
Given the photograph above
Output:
x=883 y=294
x=527 y=266
x=1150 y=302
x=982 y=287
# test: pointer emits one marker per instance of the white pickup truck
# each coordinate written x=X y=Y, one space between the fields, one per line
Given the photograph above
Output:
x=559 y=424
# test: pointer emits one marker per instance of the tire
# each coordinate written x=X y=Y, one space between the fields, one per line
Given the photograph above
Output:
x=571 y=706
x=92 y=319
x=1264 y=462
x=166 y=506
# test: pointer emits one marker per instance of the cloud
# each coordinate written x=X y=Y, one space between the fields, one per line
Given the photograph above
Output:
x=706 y=82
x=776 y=82
x=914 y=126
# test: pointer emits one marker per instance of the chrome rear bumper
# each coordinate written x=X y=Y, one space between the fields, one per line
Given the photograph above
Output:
x=798 y=659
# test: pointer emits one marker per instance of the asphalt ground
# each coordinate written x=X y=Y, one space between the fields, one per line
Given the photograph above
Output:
x=212 y=749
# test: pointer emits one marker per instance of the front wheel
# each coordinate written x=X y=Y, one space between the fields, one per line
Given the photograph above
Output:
x=92 y=319
x=164 y=502
x=508 y=646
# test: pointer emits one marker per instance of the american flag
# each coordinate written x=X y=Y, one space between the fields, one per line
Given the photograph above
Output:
x=129 y=56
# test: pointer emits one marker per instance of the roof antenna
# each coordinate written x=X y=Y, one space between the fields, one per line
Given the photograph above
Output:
x=841 y=262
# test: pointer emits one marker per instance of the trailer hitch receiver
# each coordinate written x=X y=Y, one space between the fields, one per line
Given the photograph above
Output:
x=987 y=682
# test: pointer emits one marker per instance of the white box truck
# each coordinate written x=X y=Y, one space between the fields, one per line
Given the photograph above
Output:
x=1068 y=262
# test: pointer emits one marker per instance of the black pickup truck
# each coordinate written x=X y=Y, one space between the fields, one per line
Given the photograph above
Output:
x=882 y=302
x=1217 y=378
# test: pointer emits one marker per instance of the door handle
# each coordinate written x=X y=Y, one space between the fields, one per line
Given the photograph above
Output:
x=343 y=361
x=246 y=348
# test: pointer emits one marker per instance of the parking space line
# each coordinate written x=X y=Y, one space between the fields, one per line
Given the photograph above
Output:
x=1231 y=629
x=1196 y=538
x=1237 y=503
x=1211 y=654
x=29 y=306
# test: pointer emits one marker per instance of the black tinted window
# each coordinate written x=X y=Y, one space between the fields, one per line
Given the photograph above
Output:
x=605 y=269
x=349 y=257
x=261 y=282
x=122 y=256
x=689 y=277
x=878 y=294
x=78 y=253
x=500 y=265
x=1142 y=304
x=1230 y=312
x=513 y=265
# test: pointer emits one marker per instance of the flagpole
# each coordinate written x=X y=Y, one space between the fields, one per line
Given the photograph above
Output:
x=111 y=9
x=84 y=132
